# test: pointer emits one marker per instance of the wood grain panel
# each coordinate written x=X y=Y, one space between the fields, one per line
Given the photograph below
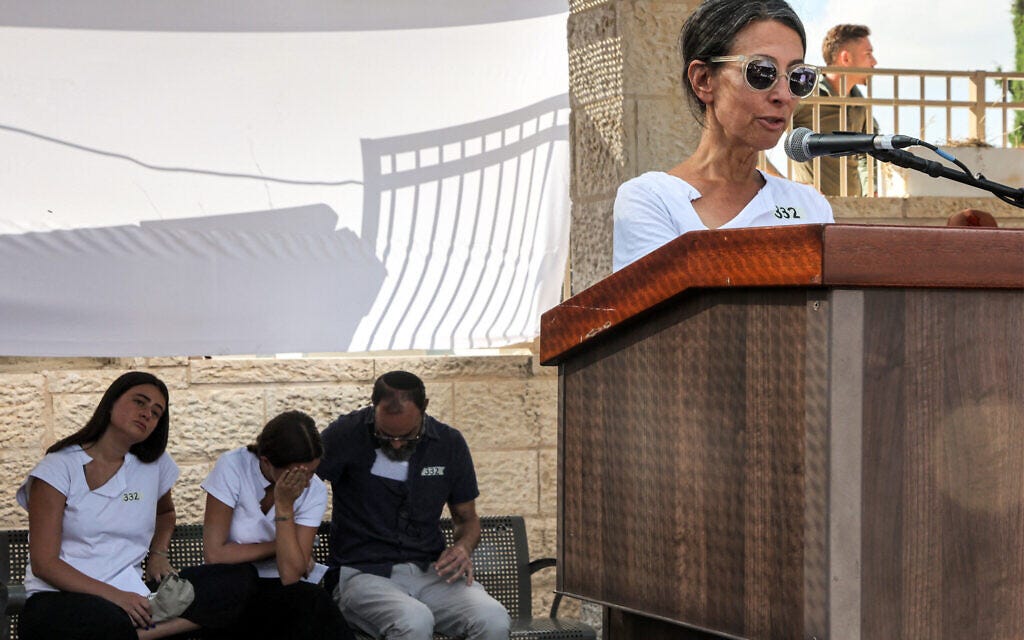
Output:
x=817 y=468
x=943 y=483
x=934 y=257
x=695 y=512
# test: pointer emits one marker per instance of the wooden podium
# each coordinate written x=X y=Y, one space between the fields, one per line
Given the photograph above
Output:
x=797 y=432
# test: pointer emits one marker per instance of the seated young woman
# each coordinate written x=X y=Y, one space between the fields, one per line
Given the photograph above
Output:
x=98 y=503
x=261 y=508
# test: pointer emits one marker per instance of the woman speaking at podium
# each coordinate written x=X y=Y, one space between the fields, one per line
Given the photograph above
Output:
x=743 y=75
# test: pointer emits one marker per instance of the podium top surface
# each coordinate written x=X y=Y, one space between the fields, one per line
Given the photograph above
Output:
x=792 y=256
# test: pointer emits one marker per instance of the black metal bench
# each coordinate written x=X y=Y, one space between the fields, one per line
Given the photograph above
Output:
x=501 y=563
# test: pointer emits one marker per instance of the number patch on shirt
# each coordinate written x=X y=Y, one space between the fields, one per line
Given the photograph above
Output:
x=432 y=471
x=786 y=213
x=131 y=496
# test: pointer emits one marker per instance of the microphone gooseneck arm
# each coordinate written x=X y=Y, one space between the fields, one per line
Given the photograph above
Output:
x=938 y=170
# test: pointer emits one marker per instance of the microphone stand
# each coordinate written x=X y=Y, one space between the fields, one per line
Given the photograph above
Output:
x=935 y=169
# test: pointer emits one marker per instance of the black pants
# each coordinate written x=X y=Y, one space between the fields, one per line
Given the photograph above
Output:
x=221 y=593
x=300 y=611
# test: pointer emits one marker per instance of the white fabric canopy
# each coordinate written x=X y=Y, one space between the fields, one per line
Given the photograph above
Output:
x=187 y=178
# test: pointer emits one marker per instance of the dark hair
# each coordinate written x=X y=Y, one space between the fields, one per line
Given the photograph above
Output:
x=149 y=449
x=712 y=28
x=399 y=386
x=837 y=37
x=288 y=438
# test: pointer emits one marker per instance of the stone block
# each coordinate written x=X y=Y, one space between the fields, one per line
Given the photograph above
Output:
x=595 y=72
x=650 y=36
x=867 y=210
x=431 y=368
x=598 y=22
x=630 y=144
x=549 y=482
x=14 y=467
x=441 y=402
x=917 y=210
x=26 y=364
x=297 y=370
x=323 y=402
x=591 y=243
x=539 y=531
x=508 y=482
x=496 y=415
x=666 y=133
x=151 y=363
x=582 y=6
x=23 y=410
x=543 y=584
x=97 y=381
x=189 y=497
x=542 y=533
x=940 y=208
x=206 y=423
x=537 y=369
x=598 y=136
x=592 y=614
x=12 y=516
x=71 y=411
x=542 y=398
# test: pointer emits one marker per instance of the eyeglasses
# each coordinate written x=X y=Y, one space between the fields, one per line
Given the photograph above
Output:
x=762 y=73
x=383 y=437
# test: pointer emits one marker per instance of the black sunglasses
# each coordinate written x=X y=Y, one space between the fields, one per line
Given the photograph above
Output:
x=761 y=74
x=383 y=437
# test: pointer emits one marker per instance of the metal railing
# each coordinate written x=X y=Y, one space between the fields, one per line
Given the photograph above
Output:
x=965 y=108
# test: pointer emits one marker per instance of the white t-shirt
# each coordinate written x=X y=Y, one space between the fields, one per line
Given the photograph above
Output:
x=106 y=532
x=655 y=208
x=236 y=480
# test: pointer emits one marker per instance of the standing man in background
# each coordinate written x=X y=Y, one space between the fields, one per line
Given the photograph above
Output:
x=845 y=45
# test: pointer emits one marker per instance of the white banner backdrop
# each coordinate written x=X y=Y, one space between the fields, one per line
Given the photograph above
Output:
x=190 y=178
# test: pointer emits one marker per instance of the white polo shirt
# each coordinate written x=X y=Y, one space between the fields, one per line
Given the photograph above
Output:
x=655 y=208
x=236 y=481
x=106 y=532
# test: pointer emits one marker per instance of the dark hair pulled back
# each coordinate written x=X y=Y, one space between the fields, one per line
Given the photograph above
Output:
x=712 y=28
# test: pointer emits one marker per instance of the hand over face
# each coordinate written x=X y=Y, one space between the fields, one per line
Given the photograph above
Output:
x=290 y=485
x=454 y=563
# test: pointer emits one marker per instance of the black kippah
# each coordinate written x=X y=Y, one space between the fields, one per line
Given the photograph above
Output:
x=402 y=380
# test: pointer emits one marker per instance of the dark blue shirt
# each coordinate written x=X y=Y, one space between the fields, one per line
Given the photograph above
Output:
x=378 y=522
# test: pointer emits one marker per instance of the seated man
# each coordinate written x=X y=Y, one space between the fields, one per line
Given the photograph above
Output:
x=392 y=469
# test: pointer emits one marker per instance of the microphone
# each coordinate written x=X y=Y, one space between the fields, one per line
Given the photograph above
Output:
x=803 y=144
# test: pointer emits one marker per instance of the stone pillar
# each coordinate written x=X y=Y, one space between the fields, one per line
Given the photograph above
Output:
x=628 y=111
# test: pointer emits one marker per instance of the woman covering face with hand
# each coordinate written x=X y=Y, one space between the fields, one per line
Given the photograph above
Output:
x=263 y=508
x=99 y=503
x=743 y=75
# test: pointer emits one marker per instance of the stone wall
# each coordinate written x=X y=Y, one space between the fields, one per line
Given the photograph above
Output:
x=506 y=406
x=921 y=210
